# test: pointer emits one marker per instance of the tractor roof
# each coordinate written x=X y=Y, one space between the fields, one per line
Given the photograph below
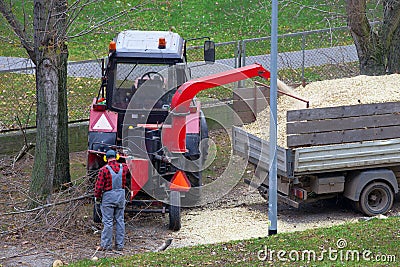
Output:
x=144 y=45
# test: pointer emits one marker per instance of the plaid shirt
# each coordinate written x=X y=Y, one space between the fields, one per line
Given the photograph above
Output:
x=104 y=179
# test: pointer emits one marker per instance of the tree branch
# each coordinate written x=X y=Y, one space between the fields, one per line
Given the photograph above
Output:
x=391 y=21
x=106 y=20
x=7 y=13
x=47 y=205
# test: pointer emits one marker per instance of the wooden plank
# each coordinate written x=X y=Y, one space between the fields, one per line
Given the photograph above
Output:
x=347 y=136
x=343 y=111
x=340 y=124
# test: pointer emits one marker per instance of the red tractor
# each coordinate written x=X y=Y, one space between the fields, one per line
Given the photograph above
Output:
x=146 y=110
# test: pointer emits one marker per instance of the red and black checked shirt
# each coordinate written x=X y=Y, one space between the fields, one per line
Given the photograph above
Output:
x=104 y=179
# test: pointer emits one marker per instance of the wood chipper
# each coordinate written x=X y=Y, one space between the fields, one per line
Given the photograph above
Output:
x=146 y=110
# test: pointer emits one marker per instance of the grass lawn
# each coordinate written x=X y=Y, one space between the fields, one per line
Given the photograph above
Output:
x=18 y=99
x=370 y=243
x=224 y=20
x=18 y=93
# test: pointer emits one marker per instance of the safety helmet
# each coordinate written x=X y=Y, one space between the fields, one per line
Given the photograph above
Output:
x=111 y=154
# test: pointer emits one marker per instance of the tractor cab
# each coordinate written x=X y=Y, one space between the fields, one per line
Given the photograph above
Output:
x=137 y=59
x=150 y=62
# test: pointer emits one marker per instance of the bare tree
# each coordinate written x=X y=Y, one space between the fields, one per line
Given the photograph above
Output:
x=47 y=48
x=378 y=48
x=46 y=45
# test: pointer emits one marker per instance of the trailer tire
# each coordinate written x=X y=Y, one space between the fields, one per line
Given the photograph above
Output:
x=376 y=198
x=175 y=211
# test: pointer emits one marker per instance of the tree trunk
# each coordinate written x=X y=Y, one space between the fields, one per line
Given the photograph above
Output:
x=51 y=166
x=367 y=42
x=391 y=34
x=393 y=63
x=62 y=175
x=47 y=127
x=378 y=53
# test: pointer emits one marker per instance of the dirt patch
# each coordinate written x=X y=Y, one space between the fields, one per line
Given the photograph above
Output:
x=39 y=238
x=243 y=214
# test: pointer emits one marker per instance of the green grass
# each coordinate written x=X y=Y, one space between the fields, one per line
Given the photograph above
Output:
x=379 y=237
x=18 y=98
x=18 y=93
x=225 y=20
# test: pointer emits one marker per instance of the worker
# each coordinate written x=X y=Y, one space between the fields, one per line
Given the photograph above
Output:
x=110 y=191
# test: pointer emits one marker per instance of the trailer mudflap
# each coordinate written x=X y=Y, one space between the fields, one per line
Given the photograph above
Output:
x=263 y=189
x=282 y=182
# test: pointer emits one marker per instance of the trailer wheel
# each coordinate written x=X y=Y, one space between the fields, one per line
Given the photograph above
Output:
x=376 y=198
x=175 y=211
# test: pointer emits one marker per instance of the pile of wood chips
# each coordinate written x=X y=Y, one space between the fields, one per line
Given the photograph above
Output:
x=329 y=93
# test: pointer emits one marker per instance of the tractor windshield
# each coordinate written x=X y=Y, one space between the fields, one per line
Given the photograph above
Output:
x=128 y=78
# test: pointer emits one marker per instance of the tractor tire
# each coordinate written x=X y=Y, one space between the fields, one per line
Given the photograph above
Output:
x=376 y=198
x=193 y=197
x=97 y=216
x=175 y=211
x=203 y=135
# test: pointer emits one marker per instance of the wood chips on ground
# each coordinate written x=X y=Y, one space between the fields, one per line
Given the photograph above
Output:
x=329 y=93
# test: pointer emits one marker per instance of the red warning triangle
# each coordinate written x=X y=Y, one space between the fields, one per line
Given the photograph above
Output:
x=102 y=123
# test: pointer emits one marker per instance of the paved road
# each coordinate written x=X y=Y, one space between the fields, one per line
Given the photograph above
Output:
x=294 y=60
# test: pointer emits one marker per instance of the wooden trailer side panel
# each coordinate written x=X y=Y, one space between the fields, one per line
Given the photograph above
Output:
x=344 y=124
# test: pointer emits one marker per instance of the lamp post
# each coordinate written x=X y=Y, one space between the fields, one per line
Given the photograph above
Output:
x=272 y=194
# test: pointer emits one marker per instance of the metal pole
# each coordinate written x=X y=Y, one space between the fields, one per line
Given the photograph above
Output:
x=272 y=194
x=303 y=50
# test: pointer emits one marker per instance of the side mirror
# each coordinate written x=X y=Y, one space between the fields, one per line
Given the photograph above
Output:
x=209 y=51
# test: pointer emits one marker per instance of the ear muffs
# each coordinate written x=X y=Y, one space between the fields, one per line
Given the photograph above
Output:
x=116 y=157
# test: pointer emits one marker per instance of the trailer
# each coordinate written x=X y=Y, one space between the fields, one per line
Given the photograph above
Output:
x=350 y=151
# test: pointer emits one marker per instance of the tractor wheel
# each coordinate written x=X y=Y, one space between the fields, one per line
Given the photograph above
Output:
x=97 y=213
x=376 y=198
x=193 y=197
x=203 y=137
x=175 y=211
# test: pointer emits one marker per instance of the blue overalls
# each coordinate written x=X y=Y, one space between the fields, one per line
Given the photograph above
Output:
x=112 y=207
